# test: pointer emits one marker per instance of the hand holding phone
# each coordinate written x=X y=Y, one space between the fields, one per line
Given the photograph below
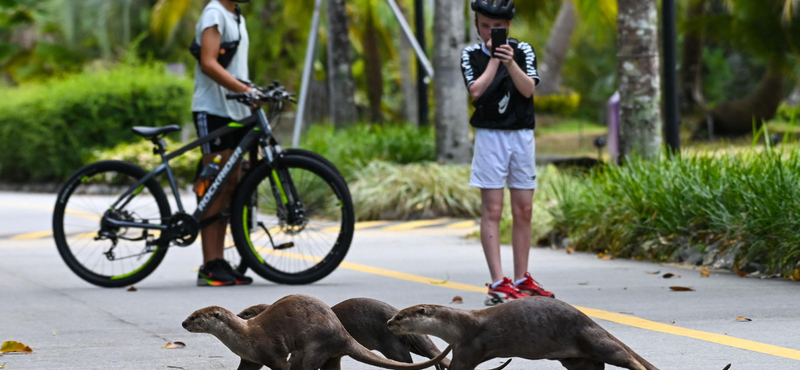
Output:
x=499 y=37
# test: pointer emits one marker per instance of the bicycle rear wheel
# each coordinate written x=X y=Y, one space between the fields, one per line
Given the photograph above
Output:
x=286 y=251
x=98 y=252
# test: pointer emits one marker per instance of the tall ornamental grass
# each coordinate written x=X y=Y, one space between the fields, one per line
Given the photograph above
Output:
x=746 y=204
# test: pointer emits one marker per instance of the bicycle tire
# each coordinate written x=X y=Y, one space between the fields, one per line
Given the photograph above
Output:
x=87 y=176
x=335 y=212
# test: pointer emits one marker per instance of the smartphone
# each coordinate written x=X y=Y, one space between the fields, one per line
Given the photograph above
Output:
x=499 y=37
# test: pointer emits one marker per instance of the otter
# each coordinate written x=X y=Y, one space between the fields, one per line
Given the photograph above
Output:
x=365 y=320
x=296 y=333
x=533 y=328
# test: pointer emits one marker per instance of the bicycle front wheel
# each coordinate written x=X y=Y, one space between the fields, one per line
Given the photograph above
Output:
x=100 y=253
x=286 y=249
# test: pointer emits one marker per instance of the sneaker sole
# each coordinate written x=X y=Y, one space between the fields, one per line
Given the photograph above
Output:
x=528 y=292
x=209 y=282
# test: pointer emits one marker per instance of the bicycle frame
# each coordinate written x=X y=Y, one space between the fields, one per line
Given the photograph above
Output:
x=259 y=130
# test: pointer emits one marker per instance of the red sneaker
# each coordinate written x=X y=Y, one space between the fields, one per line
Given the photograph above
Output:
x=532 y=287
x=502 y=293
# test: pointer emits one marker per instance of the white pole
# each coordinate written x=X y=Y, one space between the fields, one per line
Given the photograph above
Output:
x=410 y=36
x=307 y=69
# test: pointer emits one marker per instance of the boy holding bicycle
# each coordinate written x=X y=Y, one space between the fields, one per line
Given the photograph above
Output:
x=501 y=85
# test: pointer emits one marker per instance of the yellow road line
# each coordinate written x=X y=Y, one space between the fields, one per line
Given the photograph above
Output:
x=31 y=236
x=358 y=226
x=414 y=225
x=462 y=225
x=621 y=319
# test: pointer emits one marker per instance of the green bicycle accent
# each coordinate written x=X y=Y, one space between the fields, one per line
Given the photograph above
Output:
x=138 y=190
x=85 y=179
x=234 y=124
x=247 y=236
x=117 y=277
x=280 y=187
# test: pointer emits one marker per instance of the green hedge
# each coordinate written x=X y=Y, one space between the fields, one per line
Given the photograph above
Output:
x=788 y=113
x=356 y=146
x=565 y=104
x=48 y=130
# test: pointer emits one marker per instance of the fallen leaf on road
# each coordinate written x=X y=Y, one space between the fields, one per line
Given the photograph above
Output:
x=175 y=345
x=3 y=366
x=796 y=275
x=174 y=367
x=132 y=289
x=704 y=272
x=727 y=367
x=570 y=250
x=653 y=272
x=670 y=275
x=625 y=288
x=672 y=322
x=12 y=346
x=600 y=255
x=457 y=299
x=54 y=333
x=740 y=273
x=583 y=283
x=742 y=319
x=681 y=289
x=443 y=281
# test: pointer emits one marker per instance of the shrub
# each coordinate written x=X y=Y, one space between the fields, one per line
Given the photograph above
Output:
x=354 y=147
x=565 y=104
x=788 y=113
x=48 y=130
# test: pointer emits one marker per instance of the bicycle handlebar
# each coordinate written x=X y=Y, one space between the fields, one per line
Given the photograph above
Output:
x=274 y=93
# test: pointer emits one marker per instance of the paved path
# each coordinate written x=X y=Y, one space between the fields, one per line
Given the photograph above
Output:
x=73 y=325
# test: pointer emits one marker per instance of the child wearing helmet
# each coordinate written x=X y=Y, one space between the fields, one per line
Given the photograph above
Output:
x=502 y=87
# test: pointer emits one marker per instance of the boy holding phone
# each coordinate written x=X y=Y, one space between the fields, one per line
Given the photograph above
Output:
x=501 y=76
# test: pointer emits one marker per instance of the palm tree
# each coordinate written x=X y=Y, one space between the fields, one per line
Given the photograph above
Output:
x=452 y=131
x=639 y=79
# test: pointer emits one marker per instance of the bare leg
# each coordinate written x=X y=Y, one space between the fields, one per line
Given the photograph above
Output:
x=492 y=211
x=213 y=235
x=522 y=211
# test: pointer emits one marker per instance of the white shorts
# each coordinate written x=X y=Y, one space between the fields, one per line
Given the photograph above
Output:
x=504 y=157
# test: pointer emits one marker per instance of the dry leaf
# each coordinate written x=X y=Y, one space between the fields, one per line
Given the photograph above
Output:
x=54 y=333
x=175 y=345
x=570 y=250
x=608 y=258
x=583 y=283
x=663 y=240
x=704 y=272
x=457 y=299
x=3 y=366
x=672 y=322
x=741 y=273
x=653 y=272
x=796 y=275
x=742 y=319
x=12 y=346
x=625 y=288
x=600 y=255
x=727 y=367
x=670 y=275
x=132 y=289
x=174 y=367
x=681 y=289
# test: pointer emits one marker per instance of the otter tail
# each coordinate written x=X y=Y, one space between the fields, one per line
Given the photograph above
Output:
x=422 y=345
x=362 y=354
x=647 y=365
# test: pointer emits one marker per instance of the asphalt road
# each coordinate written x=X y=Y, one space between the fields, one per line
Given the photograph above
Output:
x=71 y=324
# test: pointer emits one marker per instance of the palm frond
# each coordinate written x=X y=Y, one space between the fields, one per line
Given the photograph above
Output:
x=166 y=14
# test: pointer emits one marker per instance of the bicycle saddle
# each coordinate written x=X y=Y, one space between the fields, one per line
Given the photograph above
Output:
x=151 y=132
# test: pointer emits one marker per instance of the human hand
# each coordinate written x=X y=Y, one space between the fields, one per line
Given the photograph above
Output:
x=505 y=53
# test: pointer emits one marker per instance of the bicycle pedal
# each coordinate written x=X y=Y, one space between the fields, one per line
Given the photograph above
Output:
x=284 y=246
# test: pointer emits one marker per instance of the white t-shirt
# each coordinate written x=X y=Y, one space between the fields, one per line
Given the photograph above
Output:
x=209 y=96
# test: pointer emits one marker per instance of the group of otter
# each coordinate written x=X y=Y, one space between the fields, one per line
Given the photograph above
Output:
x=302 y=333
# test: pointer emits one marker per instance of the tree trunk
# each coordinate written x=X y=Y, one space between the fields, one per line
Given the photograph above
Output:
x=452 y=129
x=639 y=78
x=372 y=59
x=557 y=47
x=340 y=76
x=735 y=118
x=407 y=77
x=691 y=74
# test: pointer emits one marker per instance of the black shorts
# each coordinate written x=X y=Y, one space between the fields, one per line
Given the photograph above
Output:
x=206 y=123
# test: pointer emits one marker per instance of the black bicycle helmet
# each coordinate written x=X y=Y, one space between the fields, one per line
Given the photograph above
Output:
x=496 y=9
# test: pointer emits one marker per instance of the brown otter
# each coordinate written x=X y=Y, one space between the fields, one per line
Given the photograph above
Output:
x=365 y=320
x=296 y=333
x=534 y=328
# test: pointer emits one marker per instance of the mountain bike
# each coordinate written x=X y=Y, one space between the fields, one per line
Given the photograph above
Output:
x=291 y=216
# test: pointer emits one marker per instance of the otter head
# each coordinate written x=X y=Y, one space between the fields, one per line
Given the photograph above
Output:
x=252 y=311
x=210 y=320
x=412 y=320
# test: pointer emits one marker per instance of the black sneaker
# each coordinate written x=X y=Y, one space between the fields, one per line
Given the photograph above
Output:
x=219 y=273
